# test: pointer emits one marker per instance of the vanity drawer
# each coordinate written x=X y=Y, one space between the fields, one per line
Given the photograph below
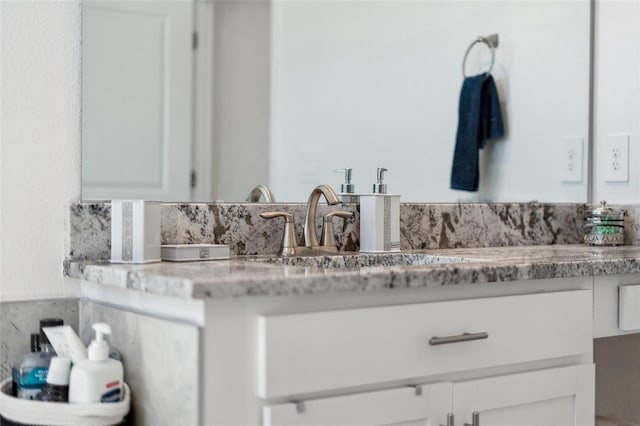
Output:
x=406 y=405
x=309 y=352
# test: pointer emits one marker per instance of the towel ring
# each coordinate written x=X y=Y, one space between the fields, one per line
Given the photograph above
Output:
x=492 y=42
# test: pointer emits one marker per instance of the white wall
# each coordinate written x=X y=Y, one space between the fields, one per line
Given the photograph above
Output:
x=241 y=97
x=39 y=143
x=616 y=95
x=368 y=84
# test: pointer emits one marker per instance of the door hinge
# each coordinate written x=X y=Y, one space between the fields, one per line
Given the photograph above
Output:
x=194 y=40
x=193 y=178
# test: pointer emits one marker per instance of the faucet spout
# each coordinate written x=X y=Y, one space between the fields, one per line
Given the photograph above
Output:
x=260 y=191
x=310 y=234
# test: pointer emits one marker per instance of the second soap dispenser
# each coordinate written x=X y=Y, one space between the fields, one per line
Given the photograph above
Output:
x=347 y=189
x=379 y=218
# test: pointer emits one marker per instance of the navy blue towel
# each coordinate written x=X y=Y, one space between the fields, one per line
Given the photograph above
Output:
x=479 y=119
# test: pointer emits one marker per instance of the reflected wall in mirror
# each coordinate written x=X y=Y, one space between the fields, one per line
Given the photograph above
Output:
x=284 y=92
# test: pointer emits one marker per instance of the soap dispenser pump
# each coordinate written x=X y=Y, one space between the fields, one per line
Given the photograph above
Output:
x=379 y=187
x=99 y=349
x=379 y=218
x=347 y=189
x=98 y=378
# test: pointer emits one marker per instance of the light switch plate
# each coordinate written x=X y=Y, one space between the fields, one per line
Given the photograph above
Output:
x=571 y=159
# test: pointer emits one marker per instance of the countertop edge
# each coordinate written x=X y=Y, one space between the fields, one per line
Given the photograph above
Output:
x=245 y=277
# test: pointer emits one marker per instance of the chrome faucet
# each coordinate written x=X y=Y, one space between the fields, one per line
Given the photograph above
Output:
x=260 y=191
x=310 y=234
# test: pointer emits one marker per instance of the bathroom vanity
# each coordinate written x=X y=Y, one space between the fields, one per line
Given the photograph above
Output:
x=503 y=335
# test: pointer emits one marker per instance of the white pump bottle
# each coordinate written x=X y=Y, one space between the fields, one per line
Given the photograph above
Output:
x=98 y=378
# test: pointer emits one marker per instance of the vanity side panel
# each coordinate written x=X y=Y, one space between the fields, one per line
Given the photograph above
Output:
x=161 y=363
x=229 y=367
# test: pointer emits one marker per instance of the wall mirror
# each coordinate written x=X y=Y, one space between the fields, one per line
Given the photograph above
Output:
x=204 y=100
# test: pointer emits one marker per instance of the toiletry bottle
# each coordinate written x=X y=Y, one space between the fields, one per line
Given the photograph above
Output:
x=57 y=387
x=98 y=378
x=29 y=374
x=379 y=218
x=35 y=347
x=35 y=342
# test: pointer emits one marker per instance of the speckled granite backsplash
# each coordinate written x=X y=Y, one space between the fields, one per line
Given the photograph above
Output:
x=422 y=226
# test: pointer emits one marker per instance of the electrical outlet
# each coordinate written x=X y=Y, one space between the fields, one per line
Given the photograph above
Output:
x=617 y=158
x=571 y=159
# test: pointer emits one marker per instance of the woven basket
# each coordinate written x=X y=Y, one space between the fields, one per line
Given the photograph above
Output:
x=27 y=412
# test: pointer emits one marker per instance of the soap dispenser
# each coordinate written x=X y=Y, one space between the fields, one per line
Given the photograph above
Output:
x=98 y=378
x=379 y=218
x=347 y=189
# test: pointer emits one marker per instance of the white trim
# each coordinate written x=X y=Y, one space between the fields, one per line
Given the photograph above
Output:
x=203 y=77
x=189 y=311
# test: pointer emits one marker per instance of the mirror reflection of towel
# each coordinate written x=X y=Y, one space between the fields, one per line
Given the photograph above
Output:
x=479 y=119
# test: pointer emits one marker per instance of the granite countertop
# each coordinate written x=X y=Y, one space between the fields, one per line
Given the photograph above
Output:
x=273 y=276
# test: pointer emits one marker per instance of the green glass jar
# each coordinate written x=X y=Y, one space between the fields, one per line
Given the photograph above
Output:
x=604 y=226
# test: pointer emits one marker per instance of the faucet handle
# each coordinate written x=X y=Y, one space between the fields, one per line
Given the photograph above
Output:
x=288 y=246
x=340 y=213
x=327 y=239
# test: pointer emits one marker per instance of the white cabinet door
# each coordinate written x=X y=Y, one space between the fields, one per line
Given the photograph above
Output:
x=407 y=406
x=137 y=99
x=552 y=397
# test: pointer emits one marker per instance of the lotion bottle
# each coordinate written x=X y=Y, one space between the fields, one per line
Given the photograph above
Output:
x=98 y=378
x=379 y=218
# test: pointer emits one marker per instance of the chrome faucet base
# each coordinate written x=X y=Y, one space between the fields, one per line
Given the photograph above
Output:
x=310 y=234
x=311 y=245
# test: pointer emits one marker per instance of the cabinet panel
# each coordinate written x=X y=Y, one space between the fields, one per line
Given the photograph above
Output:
x=427 y=404
x=606 y=315
x=309 y=352
x=553 y=412
x=137 y=100
x=558 y=396
x=629 y=307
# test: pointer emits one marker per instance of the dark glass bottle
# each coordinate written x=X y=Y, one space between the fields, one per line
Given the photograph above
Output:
x=29 y=374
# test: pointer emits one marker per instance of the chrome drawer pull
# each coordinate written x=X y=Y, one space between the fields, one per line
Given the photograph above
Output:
x=464 y=337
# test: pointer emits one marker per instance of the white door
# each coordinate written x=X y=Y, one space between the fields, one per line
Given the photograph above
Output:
x=137 y=99
x=407 y=406
x=552 y=397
